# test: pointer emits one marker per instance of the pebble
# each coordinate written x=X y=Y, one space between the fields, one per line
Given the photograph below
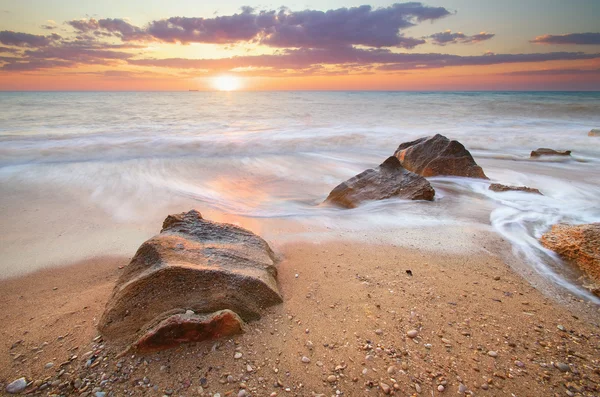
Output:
x=519 y=363
x=230 y=379
x=237 y=355
x=242 y=393
x=560 y=327
x=412 y=333
x=100 y=394
x=379 y=331
x=485 y=386
x=418 y=388
x=492 y=353
x=441 y=388
x=331 y=378
x=462 y=389
x=385 y=388
x=17 y=386
x=305 y=360
x=391 y=370
x=249 y=368
x=562 y=367
x=49 y=365
x=497 y=278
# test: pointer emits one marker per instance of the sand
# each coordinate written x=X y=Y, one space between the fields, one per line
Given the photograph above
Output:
x=342 y=330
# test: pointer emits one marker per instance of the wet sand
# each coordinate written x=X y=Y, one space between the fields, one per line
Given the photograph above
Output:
x=347 y=308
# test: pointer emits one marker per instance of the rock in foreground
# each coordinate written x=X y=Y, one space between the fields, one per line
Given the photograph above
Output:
x=498 y=187
x=189 y=327
x=192 y=265
x=438 y=155
x=549 y=152
x=16 y=386
x=578 y=244
x=390 y=179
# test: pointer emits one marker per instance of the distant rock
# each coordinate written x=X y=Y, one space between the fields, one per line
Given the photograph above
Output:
x=549 y=152
x=498 y=187
x=438 y=155
x=390 y=179
x=16 y=386
x=594 y=132
x=193 y=280
x=579 y=244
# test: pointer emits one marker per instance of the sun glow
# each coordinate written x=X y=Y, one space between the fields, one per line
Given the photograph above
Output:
x=226 y=83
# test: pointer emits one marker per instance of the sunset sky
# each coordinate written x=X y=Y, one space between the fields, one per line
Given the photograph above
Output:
x=309 y=45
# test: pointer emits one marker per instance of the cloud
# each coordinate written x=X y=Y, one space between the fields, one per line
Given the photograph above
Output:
x=385 y=59
x=62 y=53
x=571 y=38
x=110 y=27
x=283 y=28
x=51 y=25
x=447 y=37
x=553 y=72
x=9 y=50
x=18 y=39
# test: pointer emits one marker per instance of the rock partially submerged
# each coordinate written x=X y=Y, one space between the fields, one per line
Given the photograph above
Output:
x=579 y=244
x=498 y=187
x=549 y=152
x=594 y=132
x=192 y=265
x=438 y=155
x=390 y=179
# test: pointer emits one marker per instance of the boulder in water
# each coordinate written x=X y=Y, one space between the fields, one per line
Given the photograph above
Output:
x=498 y=187
x=549 y=152
x=578 y=244
x=594 y=132
x=192 y=265
x=390 y=179
x=438 y=155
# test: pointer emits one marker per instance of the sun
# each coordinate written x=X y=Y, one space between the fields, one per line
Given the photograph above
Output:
x=226 y=83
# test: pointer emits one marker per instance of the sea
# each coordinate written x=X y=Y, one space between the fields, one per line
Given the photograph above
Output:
x=94 y=173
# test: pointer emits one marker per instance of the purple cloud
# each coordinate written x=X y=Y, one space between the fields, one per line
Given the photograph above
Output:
x=385 y=59
x=18 y=39
x=283 y=28
x=447 y=37
x=553 y=72
x=571 y=38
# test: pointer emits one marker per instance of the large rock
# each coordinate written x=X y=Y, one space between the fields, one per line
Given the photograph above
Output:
x=578 y=244
x=192 y=265
x=390 y=179
x=594 y=132
x=438 y=155
x=549 y=152
x=498 y=187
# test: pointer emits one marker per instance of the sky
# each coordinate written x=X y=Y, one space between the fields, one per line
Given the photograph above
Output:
x=152 y=45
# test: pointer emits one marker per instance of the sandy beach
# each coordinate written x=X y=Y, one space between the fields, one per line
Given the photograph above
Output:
x=342 y=330
x=403 y=297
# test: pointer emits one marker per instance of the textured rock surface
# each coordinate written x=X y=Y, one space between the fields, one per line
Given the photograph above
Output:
x=438 y=155
x=390 y=179
x=549 y=152
x=193 y=264
x=189 y=327
x=578 y=244
x=498 y=187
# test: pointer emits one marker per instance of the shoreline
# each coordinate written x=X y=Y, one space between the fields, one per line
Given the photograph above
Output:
x=347 y=311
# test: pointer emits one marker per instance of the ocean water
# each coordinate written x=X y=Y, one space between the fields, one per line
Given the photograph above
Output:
x=271 y=158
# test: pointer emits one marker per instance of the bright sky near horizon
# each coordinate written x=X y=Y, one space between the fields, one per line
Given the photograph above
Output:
x=328 y=44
